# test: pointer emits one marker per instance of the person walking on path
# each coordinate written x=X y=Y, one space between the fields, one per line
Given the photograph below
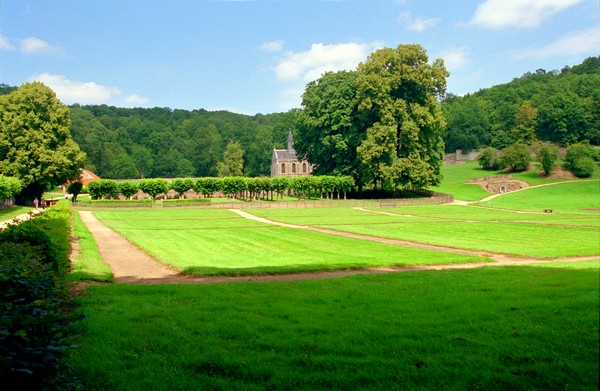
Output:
x=36 y=202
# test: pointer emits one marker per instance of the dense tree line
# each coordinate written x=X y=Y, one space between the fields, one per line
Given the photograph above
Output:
x=562 y=107
x=378 y=124
x=160 y=142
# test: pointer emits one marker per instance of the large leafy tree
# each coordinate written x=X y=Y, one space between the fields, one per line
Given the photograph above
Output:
x=397 y=92
x=329 y=133
x=35 y=143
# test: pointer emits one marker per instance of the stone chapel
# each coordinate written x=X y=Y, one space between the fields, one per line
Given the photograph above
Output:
x=284 y=162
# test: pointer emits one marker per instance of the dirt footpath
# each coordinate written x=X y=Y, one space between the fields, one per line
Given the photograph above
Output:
x=129 y=264
x=132 y=265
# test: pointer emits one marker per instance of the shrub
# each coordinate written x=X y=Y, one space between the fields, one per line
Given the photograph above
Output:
x=488 y=159
x=103 y=187
x=548 y=156
x=182 y=185
x=74 y=188
x=516 y=157
x=49 y=233
x=583 y=167
x=154 y=187
x=233 y=185
x=9 y=187
x=34 y=332
x=580 y=160
x=208 y=186
x=128 y=188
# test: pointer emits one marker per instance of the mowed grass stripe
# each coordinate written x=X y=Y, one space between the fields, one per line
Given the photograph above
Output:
x=529 y=327
x=523 y=239
x=262 y=248
x=515 y=239
x=421 y=213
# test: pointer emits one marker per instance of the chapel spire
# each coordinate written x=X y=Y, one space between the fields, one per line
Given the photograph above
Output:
x=290 y=142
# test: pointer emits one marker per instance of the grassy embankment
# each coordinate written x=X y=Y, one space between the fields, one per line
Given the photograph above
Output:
x=457 y=176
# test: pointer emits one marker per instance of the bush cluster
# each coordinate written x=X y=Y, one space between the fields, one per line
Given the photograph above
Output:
x=34 y=301
x=580 y=158
x=516 y=157
x=244 y=187
x=9 y=187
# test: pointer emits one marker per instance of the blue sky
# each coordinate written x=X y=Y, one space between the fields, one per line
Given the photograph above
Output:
x=257 y=56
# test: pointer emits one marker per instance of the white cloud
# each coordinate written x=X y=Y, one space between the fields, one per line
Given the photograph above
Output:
x=33 y=45
x=5 y=44
x=417 y=24
x=71 y=91
x=577 y=43
x=273 y=46
x=456 y=57
x=136 y=101
x=517 y=13
x=311 y=64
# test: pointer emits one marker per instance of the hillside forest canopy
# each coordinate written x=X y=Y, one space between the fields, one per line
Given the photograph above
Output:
x=562 y=107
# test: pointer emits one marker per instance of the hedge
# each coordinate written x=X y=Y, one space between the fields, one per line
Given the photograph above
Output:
x=34 y=302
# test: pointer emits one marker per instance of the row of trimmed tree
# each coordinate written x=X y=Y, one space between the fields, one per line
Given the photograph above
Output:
x=325 y=186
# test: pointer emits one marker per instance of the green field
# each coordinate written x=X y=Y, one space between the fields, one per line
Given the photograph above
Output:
x=496 y=328
x=457 y=176
x=571 y=230
x=214 y=242
x=581 y=198
x=13 y=211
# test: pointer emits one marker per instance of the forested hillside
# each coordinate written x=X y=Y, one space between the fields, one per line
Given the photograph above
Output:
x=562 y=107
x=160 y=142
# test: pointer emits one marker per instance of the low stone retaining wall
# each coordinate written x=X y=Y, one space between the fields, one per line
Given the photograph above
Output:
x=435 y=199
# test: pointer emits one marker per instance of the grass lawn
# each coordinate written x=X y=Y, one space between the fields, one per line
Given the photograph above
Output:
x=456 y=178
x=88 y=265
x=13 y=211
x=567 y=197
x=214 y=242
x=463 y=227
x=496 y=328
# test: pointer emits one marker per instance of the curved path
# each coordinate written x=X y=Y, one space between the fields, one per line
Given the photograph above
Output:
x=132 y=265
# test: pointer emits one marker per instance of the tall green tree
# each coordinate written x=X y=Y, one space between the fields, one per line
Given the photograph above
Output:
x=398 y=93
x=233 y=161
x=328 y=132
x=469 y=125
x=35 y=143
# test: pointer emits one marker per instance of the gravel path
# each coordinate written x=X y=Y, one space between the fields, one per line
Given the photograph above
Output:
x=132 y=265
